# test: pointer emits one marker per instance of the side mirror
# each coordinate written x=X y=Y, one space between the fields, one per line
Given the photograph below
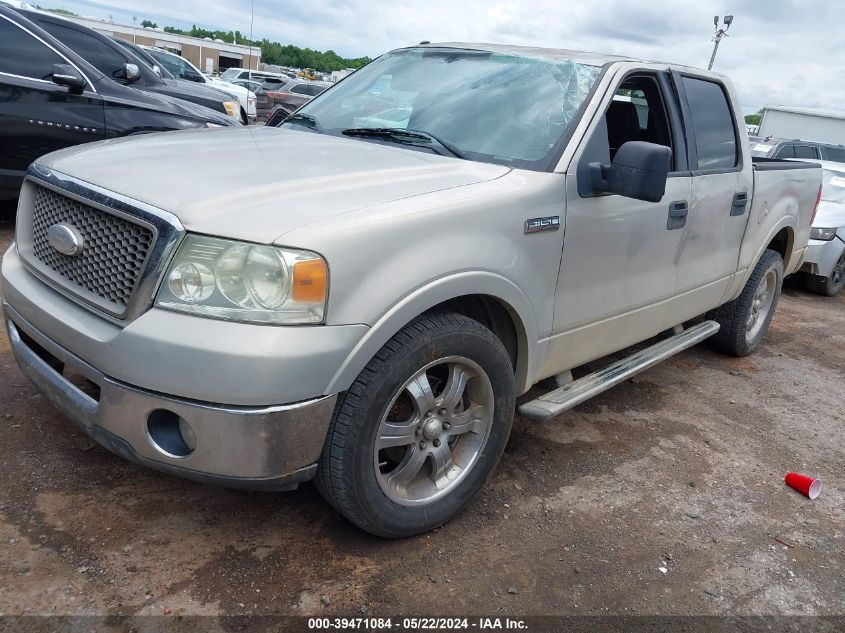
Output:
x=157 y=70
x=131 y=72
x=66 y=75
x=639 y=170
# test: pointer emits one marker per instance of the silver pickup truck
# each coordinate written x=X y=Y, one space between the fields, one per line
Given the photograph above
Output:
x=359 y=295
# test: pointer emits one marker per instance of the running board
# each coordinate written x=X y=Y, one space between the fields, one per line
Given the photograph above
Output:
x=565 y=397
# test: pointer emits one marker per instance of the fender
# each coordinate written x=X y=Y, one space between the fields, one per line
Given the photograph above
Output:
x=434 y=293
x=741 y=278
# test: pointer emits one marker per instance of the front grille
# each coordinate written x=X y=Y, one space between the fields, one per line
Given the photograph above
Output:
x=114 y=249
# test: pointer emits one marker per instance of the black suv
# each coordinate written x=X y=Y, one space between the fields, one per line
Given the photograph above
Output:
x=191 y=91
x=51 y=98
x=111 y=58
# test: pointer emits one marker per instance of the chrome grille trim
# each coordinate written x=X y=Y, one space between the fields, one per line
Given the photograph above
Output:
x=114 y=254
x=166 y=229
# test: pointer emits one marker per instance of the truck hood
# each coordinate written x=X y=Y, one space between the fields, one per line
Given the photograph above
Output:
x=258 y=183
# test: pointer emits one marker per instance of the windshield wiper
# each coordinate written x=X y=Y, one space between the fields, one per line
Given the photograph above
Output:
x=410 y=137
x=304 y=119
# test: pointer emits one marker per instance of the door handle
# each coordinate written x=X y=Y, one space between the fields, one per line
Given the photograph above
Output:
x=740 y=201
x=678 y=211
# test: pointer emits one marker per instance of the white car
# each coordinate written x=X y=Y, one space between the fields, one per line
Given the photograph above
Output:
x=825 y=261
x=183 y=69
x=234 y=74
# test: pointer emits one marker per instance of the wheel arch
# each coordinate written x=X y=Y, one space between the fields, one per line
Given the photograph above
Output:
x=781 y=239
x=782 y=243
x=486 y=297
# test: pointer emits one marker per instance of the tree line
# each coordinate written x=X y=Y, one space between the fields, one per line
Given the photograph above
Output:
x=271 y=52
x=276 y=53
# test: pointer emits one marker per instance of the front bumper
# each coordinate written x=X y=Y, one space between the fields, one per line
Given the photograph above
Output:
x=265 y=448
x=196 y=358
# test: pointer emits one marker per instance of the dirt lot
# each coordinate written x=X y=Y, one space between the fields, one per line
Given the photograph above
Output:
x=663 y=496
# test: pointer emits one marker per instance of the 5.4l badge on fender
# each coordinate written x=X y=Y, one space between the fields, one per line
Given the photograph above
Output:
x=536 y=225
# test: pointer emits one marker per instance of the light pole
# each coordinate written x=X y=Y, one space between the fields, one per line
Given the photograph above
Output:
x=720 y=33
x=134 y=23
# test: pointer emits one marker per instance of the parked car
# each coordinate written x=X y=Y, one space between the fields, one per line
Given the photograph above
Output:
x=111 y=59
x=51 y=98
x=189 y=90
x=287 y=95
x=233 y=74
x=369 y=312
x=825 y=262
x=795 y=148
x=183 y=69
x=245 y=83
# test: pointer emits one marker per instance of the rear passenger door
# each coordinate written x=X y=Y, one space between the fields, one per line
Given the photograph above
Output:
x=38 y=116
x=720 y=200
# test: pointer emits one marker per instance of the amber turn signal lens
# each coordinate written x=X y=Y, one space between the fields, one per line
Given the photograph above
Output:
x=309 y=280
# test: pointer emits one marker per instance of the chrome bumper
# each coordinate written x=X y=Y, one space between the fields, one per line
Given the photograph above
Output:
x=264 y=448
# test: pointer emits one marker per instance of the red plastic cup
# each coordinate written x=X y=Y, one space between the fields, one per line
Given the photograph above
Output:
x=806 y=485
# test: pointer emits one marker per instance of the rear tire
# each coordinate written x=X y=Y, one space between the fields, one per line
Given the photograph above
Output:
x=416 y=435
x=745 y=320
x=828 y=286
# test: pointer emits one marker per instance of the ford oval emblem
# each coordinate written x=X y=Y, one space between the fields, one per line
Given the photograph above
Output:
x=65 y=238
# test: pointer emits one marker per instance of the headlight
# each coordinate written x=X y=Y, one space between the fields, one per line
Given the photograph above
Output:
x=238 y=281
x=233 y=109
x=822 y=234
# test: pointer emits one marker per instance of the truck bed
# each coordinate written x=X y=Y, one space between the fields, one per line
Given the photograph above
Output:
x=772 y=164
x=782 y=188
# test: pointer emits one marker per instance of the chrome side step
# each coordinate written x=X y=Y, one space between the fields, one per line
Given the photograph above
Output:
x=565 y=397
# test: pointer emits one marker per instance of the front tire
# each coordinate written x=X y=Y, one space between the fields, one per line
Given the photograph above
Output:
x=745 y=320
x=418 y=432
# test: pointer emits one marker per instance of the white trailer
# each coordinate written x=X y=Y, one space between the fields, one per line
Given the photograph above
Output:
x=807 y=124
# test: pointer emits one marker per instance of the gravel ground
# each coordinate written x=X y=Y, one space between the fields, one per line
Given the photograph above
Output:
x=662 y=496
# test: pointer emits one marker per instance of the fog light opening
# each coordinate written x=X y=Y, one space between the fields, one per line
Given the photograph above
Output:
x=170 y=433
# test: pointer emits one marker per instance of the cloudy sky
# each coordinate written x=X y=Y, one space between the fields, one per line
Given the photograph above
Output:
x=780 y=52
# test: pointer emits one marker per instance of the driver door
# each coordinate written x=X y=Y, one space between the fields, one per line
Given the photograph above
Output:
x=618 y=269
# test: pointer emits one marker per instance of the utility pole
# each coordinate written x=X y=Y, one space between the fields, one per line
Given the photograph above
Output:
x=717 y=38
x=134 y=26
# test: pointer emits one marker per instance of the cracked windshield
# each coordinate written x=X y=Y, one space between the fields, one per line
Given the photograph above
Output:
x=492 y=107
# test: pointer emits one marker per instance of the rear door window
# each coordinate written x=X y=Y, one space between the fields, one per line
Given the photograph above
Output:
x=785 y=151
x=805 y=151
x=713 y=125
x=23 y=55
x=836 y=154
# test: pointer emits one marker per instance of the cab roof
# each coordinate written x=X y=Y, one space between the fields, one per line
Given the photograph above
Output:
x=554 y=54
